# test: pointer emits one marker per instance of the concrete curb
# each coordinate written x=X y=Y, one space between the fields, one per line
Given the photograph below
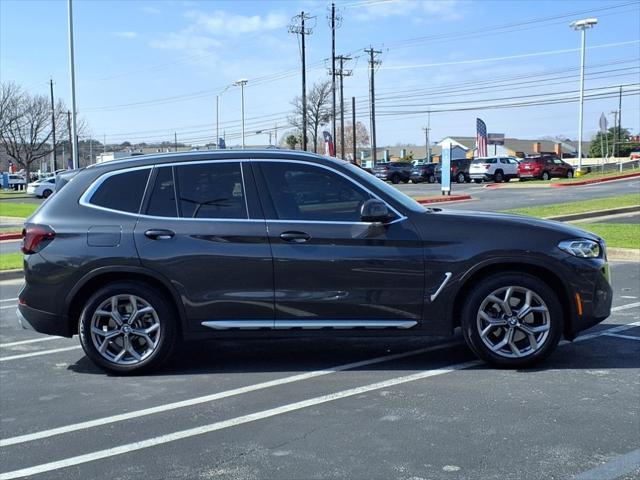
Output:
x=10 y=236
x=595 y=180
x=623 y=254
x=595 y=214
x=11 y=274
x=444 y=198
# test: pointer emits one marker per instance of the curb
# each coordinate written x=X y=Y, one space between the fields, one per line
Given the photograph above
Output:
x=595 y=214
x=623 y=254
x=595 y=180
x=10 y=236
x=11 y=274
x=444 y=198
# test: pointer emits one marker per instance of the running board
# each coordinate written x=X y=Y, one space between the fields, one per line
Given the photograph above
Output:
x=307 y=324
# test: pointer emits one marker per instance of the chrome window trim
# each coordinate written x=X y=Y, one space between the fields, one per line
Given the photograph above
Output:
x=86 y=196
x=308 y=324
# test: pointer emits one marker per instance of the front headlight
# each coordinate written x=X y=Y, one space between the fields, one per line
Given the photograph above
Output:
x=581 y=248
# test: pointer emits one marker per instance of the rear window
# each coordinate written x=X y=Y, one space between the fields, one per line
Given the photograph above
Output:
x=122 y=191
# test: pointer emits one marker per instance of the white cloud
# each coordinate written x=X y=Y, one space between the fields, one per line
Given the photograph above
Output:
x=426 y=9
x=187 y=40
x=221 y=23
x=126 y=34
x=150 y=10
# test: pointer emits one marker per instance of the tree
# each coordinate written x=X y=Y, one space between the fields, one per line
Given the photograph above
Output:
x=362 y=138
x=318 y=111
x=600 y=142
x=291 y=141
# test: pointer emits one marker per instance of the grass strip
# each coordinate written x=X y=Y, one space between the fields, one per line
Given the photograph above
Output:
x=621 y=235
x=591 y=205
x=19 y=210
x=10 y=261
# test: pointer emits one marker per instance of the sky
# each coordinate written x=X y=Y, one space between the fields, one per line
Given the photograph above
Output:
x=148 y=69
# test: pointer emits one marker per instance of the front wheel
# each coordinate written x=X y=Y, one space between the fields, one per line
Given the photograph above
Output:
x=431 y=179
x=570 y=174
x=127 y=327
x=545 y=176
x=395 y=179
x=460 y=178
x=512 y=320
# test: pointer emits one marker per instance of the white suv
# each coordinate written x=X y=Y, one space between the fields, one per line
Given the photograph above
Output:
x=497 y=169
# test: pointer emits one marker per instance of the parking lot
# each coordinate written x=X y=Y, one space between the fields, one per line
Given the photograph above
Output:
x=351 y=408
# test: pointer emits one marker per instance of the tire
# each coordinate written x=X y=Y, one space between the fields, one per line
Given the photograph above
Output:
x=545 y=176
x=395 y=179
x=163 y=336
x=477 y=180
x=431 y=179
x=405 y=180
x=460 y=178
x=569 y=173
x=522 y=179
x=545 y=324
x=498 y=177
x=46 y=193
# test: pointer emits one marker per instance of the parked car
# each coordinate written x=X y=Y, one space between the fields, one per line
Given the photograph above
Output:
x=138 y=254
x=544 y=167
x=423 y=172
x=394 y=172
x=42 y=188
x=459 y=170
x=497 y=169
x=634 y=155
x=16 y=181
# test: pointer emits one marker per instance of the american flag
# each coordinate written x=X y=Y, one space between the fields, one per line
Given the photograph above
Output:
x=481 y=138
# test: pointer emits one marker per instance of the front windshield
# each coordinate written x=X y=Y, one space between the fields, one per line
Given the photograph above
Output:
x=393 y=192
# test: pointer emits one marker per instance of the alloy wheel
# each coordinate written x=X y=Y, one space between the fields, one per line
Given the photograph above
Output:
x=125 y=329
x=513 y=322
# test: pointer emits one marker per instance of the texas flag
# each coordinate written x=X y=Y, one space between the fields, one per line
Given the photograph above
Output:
x=329 y=147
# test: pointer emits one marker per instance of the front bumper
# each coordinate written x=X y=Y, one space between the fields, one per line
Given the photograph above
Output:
x=42 y=322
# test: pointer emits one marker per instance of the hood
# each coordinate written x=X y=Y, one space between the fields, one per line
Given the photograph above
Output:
x=504 y=220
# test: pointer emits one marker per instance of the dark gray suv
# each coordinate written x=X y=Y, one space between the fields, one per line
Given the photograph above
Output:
x=138 y=254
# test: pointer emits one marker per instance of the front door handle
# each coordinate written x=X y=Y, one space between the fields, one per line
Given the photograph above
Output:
x=159 y=234
x=295 y=237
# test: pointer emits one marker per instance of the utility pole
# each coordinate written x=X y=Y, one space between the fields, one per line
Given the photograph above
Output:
x=619 y=133
x=217 y=121
x=72 y=131
x=427 y=131
x=175 y=141
x=353 y=123
x=299 y=29
x=276 y=135
x=332 y=24
x=372 y=99
x=64 y=160
x=342 y=73
x=90 y=150
x=615 y=134
x=104 y=142
x=53 y=128
x=241 y=83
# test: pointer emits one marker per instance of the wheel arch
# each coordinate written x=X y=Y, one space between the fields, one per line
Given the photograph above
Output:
x=93 y=280
x=546 y=275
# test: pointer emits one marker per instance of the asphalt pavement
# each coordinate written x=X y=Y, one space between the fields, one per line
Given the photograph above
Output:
x=345 y=408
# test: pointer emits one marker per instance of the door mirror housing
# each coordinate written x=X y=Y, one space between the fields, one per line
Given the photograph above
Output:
x=374 y=211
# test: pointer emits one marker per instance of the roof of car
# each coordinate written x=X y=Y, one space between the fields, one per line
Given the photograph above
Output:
x=172 y=157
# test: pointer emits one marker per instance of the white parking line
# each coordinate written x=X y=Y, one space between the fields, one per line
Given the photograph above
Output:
x=233 y=422
x=8 y=300
x=626 y=337
x=8 y=306
x=33 y=340
x=37 y=354
x=625 y=307
x=216 y=396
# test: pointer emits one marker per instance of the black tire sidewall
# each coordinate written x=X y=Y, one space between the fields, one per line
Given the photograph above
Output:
x=164 y=310
x=492 y=283
x=546 y=174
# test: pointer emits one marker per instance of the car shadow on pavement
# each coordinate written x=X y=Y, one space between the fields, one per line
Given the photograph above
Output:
x=309 y=354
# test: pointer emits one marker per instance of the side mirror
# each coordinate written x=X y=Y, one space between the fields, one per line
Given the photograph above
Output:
x=375 y=211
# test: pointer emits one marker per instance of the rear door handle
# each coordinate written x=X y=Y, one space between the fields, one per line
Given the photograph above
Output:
x=295 y=237
x=159 y=234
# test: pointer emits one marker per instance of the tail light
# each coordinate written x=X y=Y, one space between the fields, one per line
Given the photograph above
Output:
x=454 y=169
x=35 y=238
x=486 y=165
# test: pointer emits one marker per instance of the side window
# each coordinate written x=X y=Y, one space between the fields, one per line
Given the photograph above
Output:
x=306 y=192
x=211 y=190
x=162 y=201
x=122 y=191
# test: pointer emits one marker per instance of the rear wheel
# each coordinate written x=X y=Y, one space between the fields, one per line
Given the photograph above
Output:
x=460 y=178
x=512 y=320
x=46 y=193
x=498 y=177
x=431 y=179
x=569 y=173
x=545 y=176
x=127 y=327
x=395 y=179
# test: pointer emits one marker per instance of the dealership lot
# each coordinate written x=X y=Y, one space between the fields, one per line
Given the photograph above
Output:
x=352 y=408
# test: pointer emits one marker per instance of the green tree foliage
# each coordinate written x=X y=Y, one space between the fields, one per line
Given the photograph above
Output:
x=604 y=143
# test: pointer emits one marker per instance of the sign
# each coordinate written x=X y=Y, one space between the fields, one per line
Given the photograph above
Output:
x=495 y=139
x=446 y=170
x=603 y=123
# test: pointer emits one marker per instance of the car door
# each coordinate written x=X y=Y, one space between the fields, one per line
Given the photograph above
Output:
x=330 y=268
x=203 y=230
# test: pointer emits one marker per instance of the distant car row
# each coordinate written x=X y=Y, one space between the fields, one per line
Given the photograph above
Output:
x=42 y=187
x=489 y=169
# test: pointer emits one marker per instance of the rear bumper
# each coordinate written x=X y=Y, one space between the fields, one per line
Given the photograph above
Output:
x=42 y=322
x=481 y=176
x=528 y=175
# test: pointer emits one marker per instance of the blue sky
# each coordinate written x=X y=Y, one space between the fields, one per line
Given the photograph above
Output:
x=145 y=69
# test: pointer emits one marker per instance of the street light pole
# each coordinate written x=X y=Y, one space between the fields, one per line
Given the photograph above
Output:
x=242 y=82
x=72 y=73
x=582 y=26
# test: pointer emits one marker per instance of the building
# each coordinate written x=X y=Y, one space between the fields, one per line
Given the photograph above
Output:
x=515 y=147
